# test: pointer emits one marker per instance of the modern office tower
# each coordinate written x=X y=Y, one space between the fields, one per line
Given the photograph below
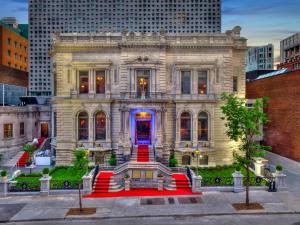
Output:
x=92 y=16
x=290 y=52
x=260 y=58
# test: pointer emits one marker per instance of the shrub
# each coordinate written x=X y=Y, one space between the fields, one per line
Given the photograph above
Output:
x=238 y=168
x=3 y=173
x=127 y=176
x=173 y=161
x=279 y=168
x=113 y=159
x=46 y=171
x=81 y=161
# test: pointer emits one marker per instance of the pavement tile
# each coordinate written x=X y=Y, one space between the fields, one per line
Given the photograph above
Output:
x=7 y=211
x=37 y=214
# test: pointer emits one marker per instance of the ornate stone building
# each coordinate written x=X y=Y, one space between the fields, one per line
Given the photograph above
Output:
x=114 y=91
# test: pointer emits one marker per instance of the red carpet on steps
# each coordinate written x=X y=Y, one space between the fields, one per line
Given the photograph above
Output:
x=23 y=159
x=102 y=182
x=143 y=153
x=182 y=189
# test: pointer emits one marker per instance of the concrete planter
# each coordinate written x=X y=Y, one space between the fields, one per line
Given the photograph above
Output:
x=4 y=179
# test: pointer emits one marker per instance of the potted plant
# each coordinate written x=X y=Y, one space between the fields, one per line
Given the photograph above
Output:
x=173 y=161
x=126 y=177
x=279 y=169
x=46 y=172
x=4 y=175
x=28 y=162
x=238 y=168
x=113 y=160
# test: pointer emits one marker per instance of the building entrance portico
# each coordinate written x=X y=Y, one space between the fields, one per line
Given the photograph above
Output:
x=142 y=126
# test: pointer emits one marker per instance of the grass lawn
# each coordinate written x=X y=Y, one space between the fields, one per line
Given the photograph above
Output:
x=62 y=178
x=210 y=175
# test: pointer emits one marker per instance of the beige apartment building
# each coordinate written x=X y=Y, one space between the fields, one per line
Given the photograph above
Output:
x=115 y=91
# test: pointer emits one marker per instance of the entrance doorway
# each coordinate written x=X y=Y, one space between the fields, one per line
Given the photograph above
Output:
x=44 y=130
x=143 y=128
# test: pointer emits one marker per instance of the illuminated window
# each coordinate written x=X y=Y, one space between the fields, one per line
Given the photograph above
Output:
x=185 y=126
x=100 y=82
x=202 y=83
x=83 y=82
x=100 y=126
x=8 y=130
x=202 y=126
x=83 y=126
x=143 y=81
x=186 y=82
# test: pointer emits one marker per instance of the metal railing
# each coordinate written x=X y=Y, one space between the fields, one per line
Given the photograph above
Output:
x=189 y=174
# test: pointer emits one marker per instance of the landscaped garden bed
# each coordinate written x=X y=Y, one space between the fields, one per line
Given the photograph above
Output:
x=222 y=176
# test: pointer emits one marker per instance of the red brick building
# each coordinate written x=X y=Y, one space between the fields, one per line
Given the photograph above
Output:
x=13 y=48
x=283 y=131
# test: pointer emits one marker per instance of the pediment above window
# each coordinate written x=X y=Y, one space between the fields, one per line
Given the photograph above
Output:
x=143 y=60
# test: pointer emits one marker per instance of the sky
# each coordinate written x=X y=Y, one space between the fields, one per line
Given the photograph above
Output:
x=262 y=21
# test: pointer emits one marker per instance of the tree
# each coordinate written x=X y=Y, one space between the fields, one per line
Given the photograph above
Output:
x=173 y=161
x=243 y=124
x=81 y=161
x=113 y=159
x=29 y=148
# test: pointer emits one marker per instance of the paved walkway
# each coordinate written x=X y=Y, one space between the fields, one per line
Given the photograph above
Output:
x=35 y=208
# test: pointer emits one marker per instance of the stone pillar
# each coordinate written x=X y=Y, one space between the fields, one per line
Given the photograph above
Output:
x=280 y=181
x=3 y=187
x=127 y=184
x=197 y=182
x=45 y=186
x=160 y=184
x=195 y=130
x=237 y=182
x=91 y=129
x=92 y=75
x=87 y=184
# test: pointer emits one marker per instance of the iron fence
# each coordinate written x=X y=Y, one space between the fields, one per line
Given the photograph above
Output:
x=217 y=181
x=33 y=186
x=65 y=184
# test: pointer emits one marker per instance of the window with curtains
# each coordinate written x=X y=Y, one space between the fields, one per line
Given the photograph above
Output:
x=186 y=82
x=202 y=126
x=100 y=82
x=83 y=82
x=202 y=82
x=83 y=126
x=100 y=126
x=185 y=126
x=8 y=130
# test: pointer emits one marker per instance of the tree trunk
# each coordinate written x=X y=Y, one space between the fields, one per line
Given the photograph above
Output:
x=247 y=185
x=79 y=190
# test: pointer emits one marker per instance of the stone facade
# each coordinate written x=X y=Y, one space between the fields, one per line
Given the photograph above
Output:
x=165 y=57
x=31 y=116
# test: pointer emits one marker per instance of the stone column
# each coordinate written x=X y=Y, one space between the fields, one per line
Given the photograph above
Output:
x=3 y=187
x=127 y=184
x=197 y=182
x=177 y=141
x=280 y=181
x=87 y=184
x=237 y=182
x=195 y=130
x=158 y=132
x=91 y=129
x=45 y=186
x=92 y=83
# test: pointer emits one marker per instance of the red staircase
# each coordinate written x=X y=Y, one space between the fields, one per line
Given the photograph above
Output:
x=143 y=153
x=22 y=161
x=181 y=180
x=102 y=182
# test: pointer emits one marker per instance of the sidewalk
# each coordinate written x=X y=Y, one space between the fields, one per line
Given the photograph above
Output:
x=35 y=208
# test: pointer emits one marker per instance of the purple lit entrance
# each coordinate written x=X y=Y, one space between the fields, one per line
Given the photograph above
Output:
x=142 y=126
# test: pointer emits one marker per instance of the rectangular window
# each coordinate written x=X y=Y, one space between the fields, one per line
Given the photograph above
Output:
x=186 y=82
x=235 y=84
x=202 y=82
x=143 y=82
x=8 y=41
x=22 y=129
x=8 y=130
x=83 y=82
x=100 y=82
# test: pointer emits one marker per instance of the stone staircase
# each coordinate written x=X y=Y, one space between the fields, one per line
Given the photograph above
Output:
x=105 y=183
x=135 y=154
x=178 y=181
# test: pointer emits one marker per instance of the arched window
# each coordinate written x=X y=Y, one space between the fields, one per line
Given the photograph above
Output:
x=186 y=160
x=185 y=126
x=202 y=126
x=100 y=126
x=83 y=126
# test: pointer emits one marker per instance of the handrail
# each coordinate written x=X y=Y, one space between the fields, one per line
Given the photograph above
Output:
x=95 y=175
x=189 y=174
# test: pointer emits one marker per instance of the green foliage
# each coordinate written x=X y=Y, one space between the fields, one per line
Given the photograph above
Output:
x=46 y=171
x=173 y=161
x=238 y=168
x=127 y=176
x=243 y=124
x=279 y=167
x=29 y=148
x=3 y=173
x=113 y=159
x=81 y=161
